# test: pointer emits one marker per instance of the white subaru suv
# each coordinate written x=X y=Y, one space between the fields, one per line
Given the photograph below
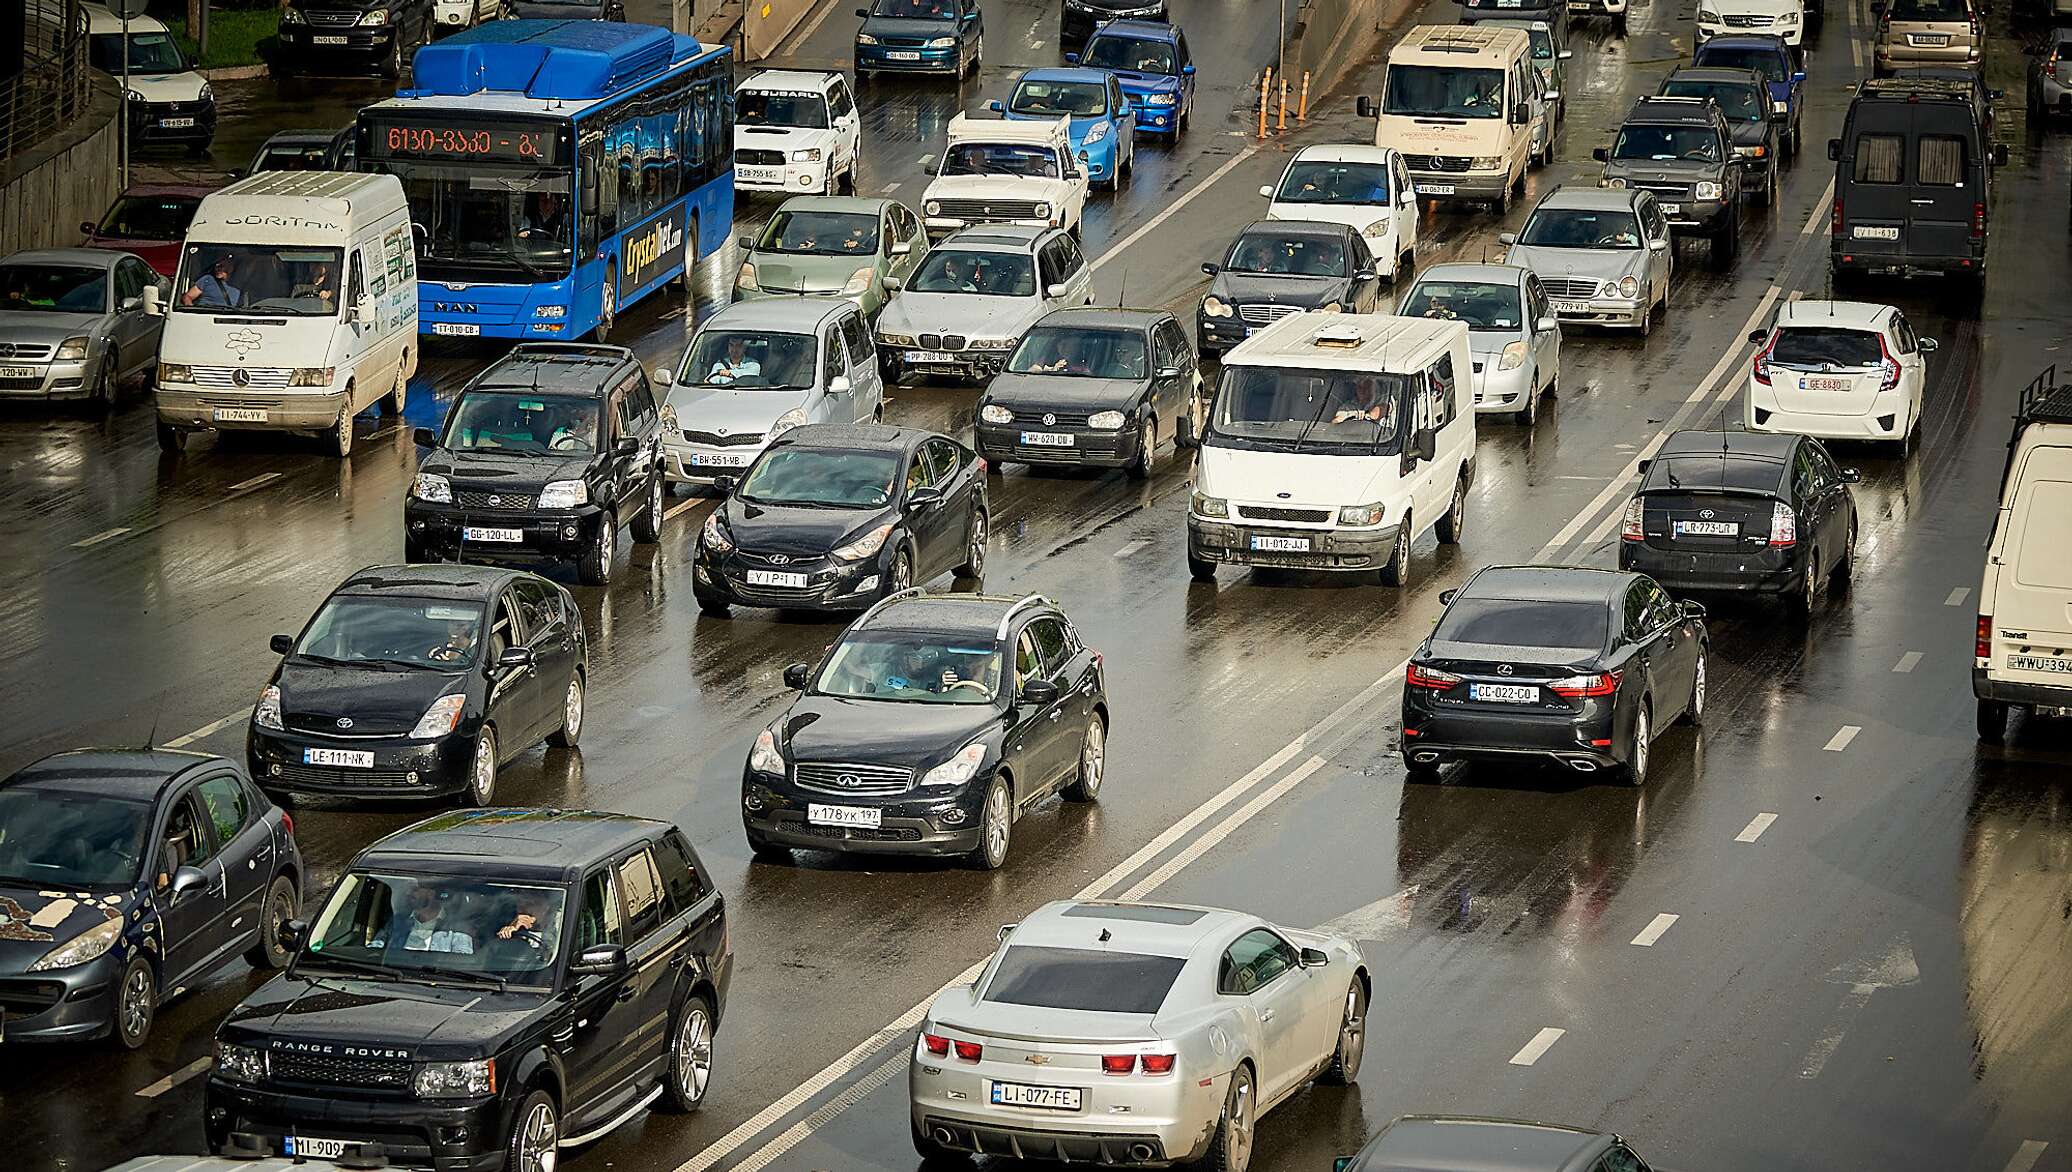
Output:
x=796 y=132
x=995 y=171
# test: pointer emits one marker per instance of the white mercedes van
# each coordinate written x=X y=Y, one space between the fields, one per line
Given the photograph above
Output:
x=1457 y=102
x=1336 y=440
x=2024 y=654
x=294 y=309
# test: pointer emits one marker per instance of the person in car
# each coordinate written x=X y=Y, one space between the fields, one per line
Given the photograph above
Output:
x=427 y=930
x=459 y=644
x=957 y=274
x=1075 y=359
x=547 y=219
x=734 y=365
x=1359 y=402
x=213 y=288
x=576 y=431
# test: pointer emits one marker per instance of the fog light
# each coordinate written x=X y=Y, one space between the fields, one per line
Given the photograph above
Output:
x=870 y=583
x=805 y=181
x=699 y=573
x=954 y=816
x=274 y=769
x=753 y=800
x=411 y=777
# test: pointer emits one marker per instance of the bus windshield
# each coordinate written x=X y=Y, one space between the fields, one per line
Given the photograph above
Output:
x=1444 y=91
x=1338 y=412
x=479 y=219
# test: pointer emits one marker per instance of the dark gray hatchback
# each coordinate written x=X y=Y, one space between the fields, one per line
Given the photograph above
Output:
x=1109 y=388
x=1437 y=1143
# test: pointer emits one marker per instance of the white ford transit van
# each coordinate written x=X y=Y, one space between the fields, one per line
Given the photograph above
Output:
x=1457 y=102
x=2024 y=653
x=1335 y=441
x=294 y=309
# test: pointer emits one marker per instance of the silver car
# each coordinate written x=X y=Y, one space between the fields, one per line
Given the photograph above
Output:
x=971 y=299
x=1135 y=1034
x=1512 y=331
x=1602 y=253
x=754 y=371
x=73 y=326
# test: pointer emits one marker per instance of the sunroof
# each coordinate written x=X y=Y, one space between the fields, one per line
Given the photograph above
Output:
x=1149 y=913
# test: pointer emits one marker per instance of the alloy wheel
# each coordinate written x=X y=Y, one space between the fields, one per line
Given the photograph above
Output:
x=997 y=825
x=1240 y=1120
x=538 y=1143
x=136 y=1002
x=1639 y=764
x=1698 y=692
x=482 y=770
x=1352 y=1032
x=572 y=708
x=975 y=556
x=1093 y=758
x=607 y=543
x=693 y=1053
x=902 y=575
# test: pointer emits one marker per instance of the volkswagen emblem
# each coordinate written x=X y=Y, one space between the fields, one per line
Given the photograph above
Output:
x=848 y=781
x=779 y=559
x=1503 y=669
x=345 y=722
x=241 y=377
x=495 y=500
x=1049 y=420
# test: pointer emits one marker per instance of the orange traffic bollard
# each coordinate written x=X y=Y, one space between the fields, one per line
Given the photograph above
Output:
x=1265 y=89
x=1302 y=110
x=1283 y=125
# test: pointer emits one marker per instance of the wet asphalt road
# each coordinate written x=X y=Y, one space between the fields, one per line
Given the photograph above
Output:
x=1879 y=979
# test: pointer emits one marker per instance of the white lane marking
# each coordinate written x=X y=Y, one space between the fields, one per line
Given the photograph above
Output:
x=1859 y=995
x=1822 y=210
x=1654 y=930
x=1842 y=737
x=1856 y=52
x=1116 y=249
x=103 y=535
x=1131 y=548
x=2026 y=1156
x=254 y=482
x=1223 y=830
x=891 y=187
x=851 y=1095
x=924 y=160
x=1377 y=920
x=212 y=727
x=175 y=1078
x=1796 y=294
x=1755 y=827
x=800 y=36
x=1957 y=596
x=679 y=507
x=1538 y=1047
x=1897 y=967
x=1907 y=662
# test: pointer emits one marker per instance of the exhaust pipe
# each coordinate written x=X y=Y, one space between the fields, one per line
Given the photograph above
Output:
x=1582 y=765
x=1142 y=1153
x=1426 y=758
x=942 y=1136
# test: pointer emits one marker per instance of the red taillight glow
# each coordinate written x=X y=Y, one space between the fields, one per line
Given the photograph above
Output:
x=1761 y=369
x=982 y=465
x=1984 y=648
x=1784 y=525
x=1602 y=683
x=1158 y=1063
x=1978 y=221
x=1835 y=224
x=969 y=1051
x=1632 y=530
x=1118 y=1063
x=937 y=1044
x=1425 y=677
x=1890 y=364
x=288 y=823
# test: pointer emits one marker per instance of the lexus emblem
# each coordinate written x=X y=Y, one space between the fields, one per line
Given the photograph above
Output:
x=848 y=781
x=1037 y=1059
x=1049 y=420
x=1503 y=669
x=1705 y=513
x=780 y=559
x=345 y=722
x=495 y=500
x=241 y=377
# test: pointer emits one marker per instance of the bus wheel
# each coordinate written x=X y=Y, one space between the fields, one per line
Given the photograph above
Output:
x=608 y=302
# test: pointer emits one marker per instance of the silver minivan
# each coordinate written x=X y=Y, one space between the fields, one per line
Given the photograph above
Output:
x=757 y=369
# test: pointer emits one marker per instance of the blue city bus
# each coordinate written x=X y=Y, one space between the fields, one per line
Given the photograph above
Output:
x=557 y=171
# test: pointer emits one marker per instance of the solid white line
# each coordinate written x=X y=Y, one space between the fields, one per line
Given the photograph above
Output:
x=1223 y=830
x=1859 y=995
x=1822 y=210
x=1540 y=1044
x=1856 y=52
x=800 y=36
x=2026 y=1156
x=851 y=1095
x=211 y=727
x=1131 y=548
x=1654 y=930
x=1755 y=827
x=176 y=1078
x=1957 y=596
x=1114 y=250
x=1842 y=737
x=255 y=481
x=98 y=538
x=1907 y=662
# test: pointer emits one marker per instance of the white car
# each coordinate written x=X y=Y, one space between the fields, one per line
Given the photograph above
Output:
x=1838 y=370
x=796 y=132
x=972 y=298
x=169 y=103
x=1365 y=187
x=1135 y=1034
x=450 y=16
x=1512 y=331
x=996 y=171
x=1785 y=19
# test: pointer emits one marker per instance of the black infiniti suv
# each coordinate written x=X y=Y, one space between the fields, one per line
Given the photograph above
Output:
x=479 y=989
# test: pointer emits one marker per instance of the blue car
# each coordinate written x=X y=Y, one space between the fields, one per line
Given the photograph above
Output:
x=920 y=36
x=1772 y=58
x=1156 y=70
x=1104 y=123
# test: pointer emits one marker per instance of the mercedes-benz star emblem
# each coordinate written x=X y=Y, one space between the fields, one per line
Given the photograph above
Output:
x=1503 y=669
x=848 y=781
x=1049 y=420
x=345 y=722
x=241 y=377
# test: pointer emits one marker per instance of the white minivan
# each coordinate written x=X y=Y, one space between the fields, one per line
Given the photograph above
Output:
x=2023 y=657
x=1335 y=441
x=294 y=309
x=1457 y=100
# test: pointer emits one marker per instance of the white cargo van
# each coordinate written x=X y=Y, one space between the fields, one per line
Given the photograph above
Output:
x=2024 y=654
x=1335 y=441
x=294 y=309
x=1457 y=102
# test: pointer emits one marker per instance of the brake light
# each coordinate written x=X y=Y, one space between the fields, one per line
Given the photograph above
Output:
x=1158 y=1063
x=1978 y=220
x=1761 y=369
x=1633 y=531
x=1835 y=224
x=1602 y=683
x=288 y=823
x=1118 y=1063
x=1425 y=677
x=1890 y=365
x=1784 y=525
x=969 y=1051
x=1984 y=649
x=937 y=1044
x=982 y=465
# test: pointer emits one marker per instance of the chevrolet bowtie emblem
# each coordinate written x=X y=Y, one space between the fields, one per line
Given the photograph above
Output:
x=1037 y=1060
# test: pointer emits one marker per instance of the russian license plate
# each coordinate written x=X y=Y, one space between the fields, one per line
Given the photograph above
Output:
x=1672 y=209
x=240 y=414
x=316 y=1149
x=2047 y=663
x=456 y=329
x=1015 y=1094
x=1828 y=384
x=20 y=372
x=176 y=123
x=1046 y=439
x=1505 y=693
x=1928 y=38
x=1424 y=188
x=775 y=578
x=350 y=758
x=718 y=460
x=902 y=55
x=1706 y=528
x=320 y=39
x=1281 y=544
x=471 y=533
x=865 y=817
x=1561 y=307
x=934 y=356
x=1866 y=233
x=759 y=174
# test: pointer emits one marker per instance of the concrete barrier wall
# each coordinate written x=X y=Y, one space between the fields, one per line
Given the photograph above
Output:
x=1332 y=36
x=71 y=178
x=765 y=23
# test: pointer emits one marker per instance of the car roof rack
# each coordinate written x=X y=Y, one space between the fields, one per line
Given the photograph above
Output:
x=1026 y=600
x=882 y=603
x=1907 y=88
x=2044 y=400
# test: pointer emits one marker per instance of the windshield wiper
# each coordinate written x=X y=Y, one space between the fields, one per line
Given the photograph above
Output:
x=326 y=660
x=402 y=663
x=462 y=976
x=371 y=968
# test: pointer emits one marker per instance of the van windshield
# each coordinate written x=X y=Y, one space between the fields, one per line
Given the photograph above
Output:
x=257 y=280
x=1444 y=91
x=1340 y=412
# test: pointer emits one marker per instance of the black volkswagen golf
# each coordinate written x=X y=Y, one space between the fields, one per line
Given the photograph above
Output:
x=544 y=455
x=932 y=725
x=413 y=681
x=1559 y=663
x=1109 y=388
x=482 y=989
x=1278 y=267
x=837 y=516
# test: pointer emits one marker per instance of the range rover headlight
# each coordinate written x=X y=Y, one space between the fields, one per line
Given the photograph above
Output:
x=88 y=945
x=245 y=1064
x=456 y=1080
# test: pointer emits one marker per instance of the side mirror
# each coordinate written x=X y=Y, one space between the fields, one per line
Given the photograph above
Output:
x=87 y=227
x=1565 y=54
x=1365 y=108
x=838 y=385
x=281 y=644
x=797 y=676
x=1759 y=336
x=747 y=243
x=1521 y=114
x=133 y=304
x=1054 y=291
x=605 y=960
x=1834 y=149
x=1039 y=693
x=1187 y=71
x=1548 y=323
x=1642 y=467
x=515 y=657
x=293 y=933
x=1211 y=267
x=1425 y=444
x=1071 y=58
x=725 y=485
x=924 y=496
x=1315 y=958
x=1266 y=189
x=1852 y=476
x=2000 y=154
x=863 y=12
x=1365 y=275
x=1798 y=76
x=1553 y=95
x=997 y=106
x=895 y=284
x=1507 y=238
x=1342 y=1163
x=1006 y=930
x=1661 y=245
x=1928 y=345
x=186 y=881
x=1446 y=597
x=932 y=166
x=1601 y=154
x=1693 y=610
x=424 y=438
x=154 y=300
x=1167 y=372
x=627 y=446
x=663 y=376
x=903 y=248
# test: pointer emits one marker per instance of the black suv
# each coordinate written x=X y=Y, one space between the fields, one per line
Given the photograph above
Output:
x=1743 y=96
x=350 y=36
x=1682 y=149
x=480 y=988
x=542 y=457
x=933 y=724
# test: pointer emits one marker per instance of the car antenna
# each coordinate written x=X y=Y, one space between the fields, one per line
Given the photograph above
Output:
x=1124 y=289
x=151 y=738
x=1106 y=936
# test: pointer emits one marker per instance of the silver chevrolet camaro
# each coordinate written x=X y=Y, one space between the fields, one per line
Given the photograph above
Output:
x=1135 y=1034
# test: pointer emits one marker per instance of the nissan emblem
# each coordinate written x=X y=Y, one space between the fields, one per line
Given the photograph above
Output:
x=495 y=500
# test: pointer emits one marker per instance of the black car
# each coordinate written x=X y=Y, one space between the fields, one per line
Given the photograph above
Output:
x=350 y=36
x=306 y=150
x=1077 y=19
x=127 y=876
x=416 y=681
x=482 y=987
x=1278 y=267
x=932 y=725
x=1744 y=98
x=612 y=10
x=1743 y=512
x=543 y=456
x=835 y=516
x=1913 y=183
x=1682 y=149
x=1435 y=1143
x=1555 y=663
x=1108 y=388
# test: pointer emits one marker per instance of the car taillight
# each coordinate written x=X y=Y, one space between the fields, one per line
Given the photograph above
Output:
x=1425 y=677
x=1633 y=531
x=1978 y=221
x=1984 y=649
x=1784 y=525
x=937 y=1044
x=982 y=465
x=969 y=1051
x=1602 y=683
x=1761 y=369
x=288 y=823
x=1118 y=1063
x=1889 y=364
x=1158 y=1063
x=1835 y=223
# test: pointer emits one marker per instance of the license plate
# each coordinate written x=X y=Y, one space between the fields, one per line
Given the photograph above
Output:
x=718 y=460
x=1505 y=693
x=1828 y=384
x=1046 y=439
x=865 y=817
x=350 y=758
x=457 y=329
x=1424 y=188
x=1281 y=544
x=240 y=415
x=324 y=40
x=935 y=356
x=902 y=55
x=2040 y=663
x=317 y=1149
x=1863 y=233
x=1928 y=38
x=1672 y=209
x=1561 y=307
x=471 y=533
x=776 y=578
x=176 y=123
x=1015 y=1094
x=1706 y=528
x=20 y=372
x=759 y=174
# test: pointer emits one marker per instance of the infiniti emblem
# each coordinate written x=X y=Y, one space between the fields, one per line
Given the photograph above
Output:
x=848 y=781
x=1503 y=669
x=345 y=722
x=780 y=559
x=1049 y=420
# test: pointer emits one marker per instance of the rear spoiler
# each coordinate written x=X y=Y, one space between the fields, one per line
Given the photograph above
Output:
x=2044 y=400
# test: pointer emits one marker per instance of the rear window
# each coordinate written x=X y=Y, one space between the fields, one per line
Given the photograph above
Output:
x=1820 y=346
x=1762 y=476
x=1077 y=978
x=1880 y=158
x=1930 y=10
x=1510 y=622
x=1942 y=160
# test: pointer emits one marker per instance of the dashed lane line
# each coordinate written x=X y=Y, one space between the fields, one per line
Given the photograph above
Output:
x=2025 y=1157
x=175 y=1078
x=256 y=481
x=1907 y=662
x=1116 y=249
x=1131 y=548
x=1842 y=737
x=208 y=729
x=1957 y=596
x=1654 y=930
x=1537 y=1049
x=1755 y=827
x=103 y=535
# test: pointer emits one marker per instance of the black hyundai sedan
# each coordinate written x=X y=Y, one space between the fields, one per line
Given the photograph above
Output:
x=414 y=681
x=1555 y=663
x=1106 y=388
x=128 y=876
x=928 y=729
x=837 y=516
x=1278 y=267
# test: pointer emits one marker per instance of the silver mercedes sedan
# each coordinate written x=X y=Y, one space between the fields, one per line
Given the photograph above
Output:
x=1136 y=1034
x=73 y=326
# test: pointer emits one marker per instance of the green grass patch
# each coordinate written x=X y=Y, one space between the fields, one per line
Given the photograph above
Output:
x=236 y=36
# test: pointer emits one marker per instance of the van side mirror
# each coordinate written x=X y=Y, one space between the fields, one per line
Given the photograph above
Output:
x=663 y=376
x=363 y=310
x=1521 y=114
x=932 y=166
x=797 y=676
x=605 y=960
x=154 y=301
x=838 y=385
x=1834 y=149
x=1365 y=108
x=1601 y=154
x=424 y=438
x=281 y=644
x=1424 y=443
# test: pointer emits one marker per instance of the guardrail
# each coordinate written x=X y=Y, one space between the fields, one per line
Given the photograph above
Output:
x=52 y=90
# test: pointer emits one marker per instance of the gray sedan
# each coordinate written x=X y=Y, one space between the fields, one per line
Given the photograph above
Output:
x=1602 y=254
x=73 y=326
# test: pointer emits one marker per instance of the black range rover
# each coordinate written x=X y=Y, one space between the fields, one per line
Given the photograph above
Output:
x=480 y=989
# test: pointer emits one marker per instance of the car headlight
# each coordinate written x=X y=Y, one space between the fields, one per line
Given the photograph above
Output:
x=995 y=413
x=432 y=488
x=293 y=16
x=793 y=418
x=374 y=18
x=860 y=281
x=866 y=39
x=1107 y=420
x=1042 y=210
x=439 y=719
x=1709 y=190
x=1209 y=506
x=1616 y=182
x=1708 y=16
x=86 y=946
x=806 y=155
x=132 y=96
x=1485 y=162
x=564 y=494
x=1329 y=307
x=174 y=372
x=895 y=341
x=715 y=534
x=746 y=280
x=311 y=376
x=994 y=343
x=207 y=93
x=1514 y=356
x=245 y=1064
x=933 y=207
x=1780 y=107
x=865 y=546
x=940 y=43
x=669 y=421
x=456 y=1080
x=1788 y=18
x=267 y=712
x=1754 y=152
x=765 y=758
x=1627 y=287
x=1097 y=133
x=1377 y=228
x=1215 y=307
x=1362 y=514
x=72 y=349
x=551 y=311
x=1160 y=99
x=958 y=769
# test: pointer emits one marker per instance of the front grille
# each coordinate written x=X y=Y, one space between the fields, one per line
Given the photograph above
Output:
x=224 y=378
x=475 y=498
x=714 y=439
x=21 y=384
x=23 y=998
x=902 y=42
x=988 y=209
x=332 y=1071
x=857 y=780
x=1308 y=561
x=1260 y=315
x=26 y=351
x=756 y=158
x=858 y=833
x=324 y=775
x=1272 y=513
x=1736 y=20
x=943 y=342
x=1437 y=162
x=332 y=19
x=1570 y=288
x=1052 y=418
x=1671 y=190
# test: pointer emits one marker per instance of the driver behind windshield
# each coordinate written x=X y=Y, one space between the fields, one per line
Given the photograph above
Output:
x=1074 y=356
x=734 y=365
x=427 y=929
x=459 y=643
x=1357 y=401
x=575 y=430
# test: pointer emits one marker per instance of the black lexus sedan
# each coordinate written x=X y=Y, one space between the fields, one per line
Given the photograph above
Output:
x=543 y=456
x=416 y=681
x=1743 y=512
x=1555 y=663
x=127 y=876
x=928 y=729
x=480 y=988
x=1278 y=267
x=1109 y=388
x=835 y=516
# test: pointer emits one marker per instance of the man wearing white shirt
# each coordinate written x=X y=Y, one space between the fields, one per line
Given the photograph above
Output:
x=425 y=932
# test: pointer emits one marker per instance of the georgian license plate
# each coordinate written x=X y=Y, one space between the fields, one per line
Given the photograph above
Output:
x=775 y=578
x=240 y=415
x=20 y=372
x=1017 y=1094
x=902 y=55
x=308 y=1148
x=864 y=817
x=321 y=39
x=1705 y=528
x=1505 y=693
x=719 y=460
x=350 y=758
x=1561 y=307
x=934 y=356
x=471 y=533
x=1672 y=209
x=1424 y=188
x=2049 y=663
x=1281 y=544
x=1928 y=38
x=759 y=174
x=176 y=123
x=456 y=329
x=1864 y=232
x=1046 y=439
x=1828 y=384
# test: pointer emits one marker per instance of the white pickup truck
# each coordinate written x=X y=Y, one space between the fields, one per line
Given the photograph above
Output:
x=995 y=171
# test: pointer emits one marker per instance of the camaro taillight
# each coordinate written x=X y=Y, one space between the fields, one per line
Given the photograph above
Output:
x=937 y=1044
x=969 y=1051
x=1784 y=525
x=1890 y=365
x=1984 y=649
x=1761 y=369
x=1632 y=530
x=1602 y=683
x=1158 y=1063
x=1118 y=1063
x=1425 y=677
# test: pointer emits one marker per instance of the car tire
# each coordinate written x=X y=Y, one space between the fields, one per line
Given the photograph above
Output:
x=1844 y=569
x=1806 y=598
x=901 y=575
x=1694 y=708
x=608 y=306
x=974 y=567
x=1638 y=745
x=535 y=1135
x=1352 y=1039
x=1529 y=414
x=1396 y=572
x=995 y=827
x=135 y=1005
x=481 y=779
x=339 y=440
x=393 y=402
x=1093 y=763
x=1992 y=722
x=1766 y=196
x=1619 y=23
x=392 y=65
x=1147 y=451
x=268 y=951
x=1200 y=570
x=647 y=523
x=1455 y=521
x=1230 y=1148
x=107 y=377
x=690 y=1056
x=170 y=438
x=572 y=709
x=1726 y=244
x=594 y=564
